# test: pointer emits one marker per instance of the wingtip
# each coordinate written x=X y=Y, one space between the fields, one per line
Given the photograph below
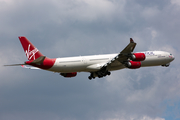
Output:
x=131 y=40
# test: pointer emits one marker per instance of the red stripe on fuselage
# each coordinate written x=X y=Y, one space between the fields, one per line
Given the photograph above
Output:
x=47 y=63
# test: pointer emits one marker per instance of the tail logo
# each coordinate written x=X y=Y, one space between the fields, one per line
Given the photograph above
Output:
x=31 y=53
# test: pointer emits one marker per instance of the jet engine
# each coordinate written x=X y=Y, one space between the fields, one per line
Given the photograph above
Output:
x=73 y=74
x=138 y=57
x=133 y=64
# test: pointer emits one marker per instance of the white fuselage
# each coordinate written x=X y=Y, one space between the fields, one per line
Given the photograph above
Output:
x=95 y=62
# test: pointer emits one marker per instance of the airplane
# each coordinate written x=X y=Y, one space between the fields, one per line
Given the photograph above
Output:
x=97 y=65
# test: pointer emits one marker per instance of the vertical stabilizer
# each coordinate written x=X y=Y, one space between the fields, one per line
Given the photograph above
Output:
x=30 y=50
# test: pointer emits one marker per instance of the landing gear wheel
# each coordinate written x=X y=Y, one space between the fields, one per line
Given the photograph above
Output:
x=109 y=73
x=167 y=65
x=99 y=76
x=90 y=77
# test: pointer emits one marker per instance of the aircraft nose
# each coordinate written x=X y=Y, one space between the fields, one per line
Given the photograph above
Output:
x=171 y=57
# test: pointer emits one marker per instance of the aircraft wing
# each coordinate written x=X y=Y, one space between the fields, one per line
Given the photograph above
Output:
x=122 y=56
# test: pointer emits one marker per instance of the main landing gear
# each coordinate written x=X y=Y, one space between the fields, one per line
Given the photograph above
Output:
x=90 y=77
x=99 y=74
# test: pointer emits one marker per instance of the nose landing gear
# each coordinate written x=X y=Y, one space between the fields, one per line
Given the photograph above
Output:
x=166 y=65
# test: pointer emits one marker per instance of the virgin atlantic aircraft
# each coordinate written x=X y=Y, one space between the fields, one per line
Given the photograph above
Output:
x=98 y=65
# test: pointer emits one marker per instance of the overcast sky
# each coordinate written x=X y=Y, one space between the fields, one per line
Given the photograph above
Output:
x=63 y=28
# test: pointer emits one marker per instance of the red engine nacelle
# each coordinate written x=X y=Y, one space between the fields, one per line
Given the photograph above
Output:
x=73 y=74
x=138 y=57
x=133 y=64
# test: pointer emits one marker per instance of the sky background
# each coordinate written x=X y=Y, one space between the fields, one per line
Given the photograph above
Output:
x=64 y=28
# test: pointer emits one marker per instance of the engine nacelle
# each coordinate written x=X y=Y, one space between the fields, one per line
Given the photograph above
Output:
x=133 y=64
x=138 y=57
x=73 y=74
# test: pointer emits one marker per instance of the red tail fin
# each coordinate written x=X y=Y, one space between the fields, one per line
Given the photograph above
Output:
x=31 y=51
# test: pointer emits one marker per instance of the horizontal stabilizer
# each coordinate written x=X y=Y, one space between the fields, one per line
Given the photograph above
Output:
x=37 y=61
x=15 y=65
x=23 y=66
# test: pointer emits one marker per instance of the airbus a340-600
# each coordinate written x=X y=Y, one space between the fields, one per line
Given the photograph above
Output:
x=97 y=65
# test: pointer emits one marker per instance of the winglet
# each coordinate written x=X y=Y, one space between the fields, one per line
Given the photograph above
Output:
x=131 y=40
